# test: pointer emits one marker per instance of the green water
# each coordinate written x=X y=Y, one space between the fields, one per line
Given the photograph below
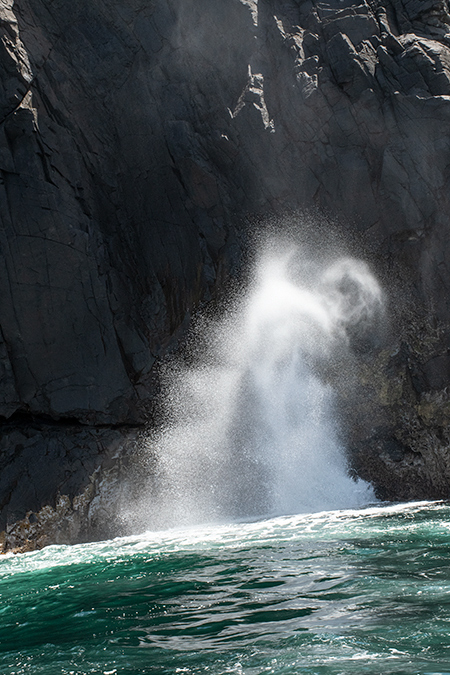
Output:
x=339 y=592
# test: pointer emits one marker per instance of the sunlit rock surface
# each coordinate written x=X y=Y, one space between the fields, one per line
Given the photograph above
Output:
x=136 y=137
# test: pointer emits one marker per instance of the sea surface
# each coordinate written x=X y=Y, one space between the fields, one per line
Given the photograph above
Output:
x=338 y=592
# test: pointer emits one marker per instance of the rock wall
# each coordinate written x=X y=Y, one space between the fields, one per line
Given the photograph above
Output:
x=113 y=222
x=136 y=137
x=63 y=484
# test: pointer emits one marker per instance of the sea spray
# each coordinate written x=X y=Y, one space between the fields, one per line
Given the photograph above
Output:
x=250 y=428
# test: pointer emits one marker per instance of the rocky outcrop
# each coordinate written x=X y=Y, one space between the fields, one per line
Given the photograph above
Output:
x=64 y=484
x=136 y=138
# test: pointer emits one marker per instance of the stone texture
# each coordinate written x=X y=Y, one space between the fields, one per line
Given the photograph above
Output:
x=136 y=138
x=64 y=484
x=113 y=225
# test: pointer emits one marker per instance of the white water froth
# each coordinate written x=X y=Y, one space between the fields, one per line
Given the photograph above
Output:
x=250 y=430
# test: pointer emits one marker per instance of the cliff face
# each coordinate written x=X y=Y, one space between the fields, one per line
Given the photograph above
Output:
x=134 y=138
x=114 y=222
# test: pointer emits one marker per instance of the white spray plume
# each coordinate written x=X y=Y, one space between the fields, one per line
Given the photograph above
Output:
x=250 y=430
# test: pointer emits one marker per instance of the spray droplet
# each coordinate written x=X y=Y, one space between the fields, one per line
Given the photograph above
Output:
x=251 y=429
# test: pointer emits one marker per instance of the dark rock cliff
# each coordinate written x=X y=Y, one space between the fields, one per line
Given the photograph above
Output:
x=136 y=136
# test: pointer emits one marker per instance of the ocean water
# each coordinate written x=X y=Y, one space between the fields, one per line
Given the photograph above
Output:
x=337 y=592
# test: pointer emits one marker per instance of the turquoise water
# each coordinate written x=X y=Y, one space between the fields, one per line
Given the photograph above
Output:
x=364 y=591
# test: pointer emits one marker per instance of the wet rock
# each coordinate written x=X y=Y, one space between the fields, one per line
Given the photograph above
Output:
x=64 y=484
